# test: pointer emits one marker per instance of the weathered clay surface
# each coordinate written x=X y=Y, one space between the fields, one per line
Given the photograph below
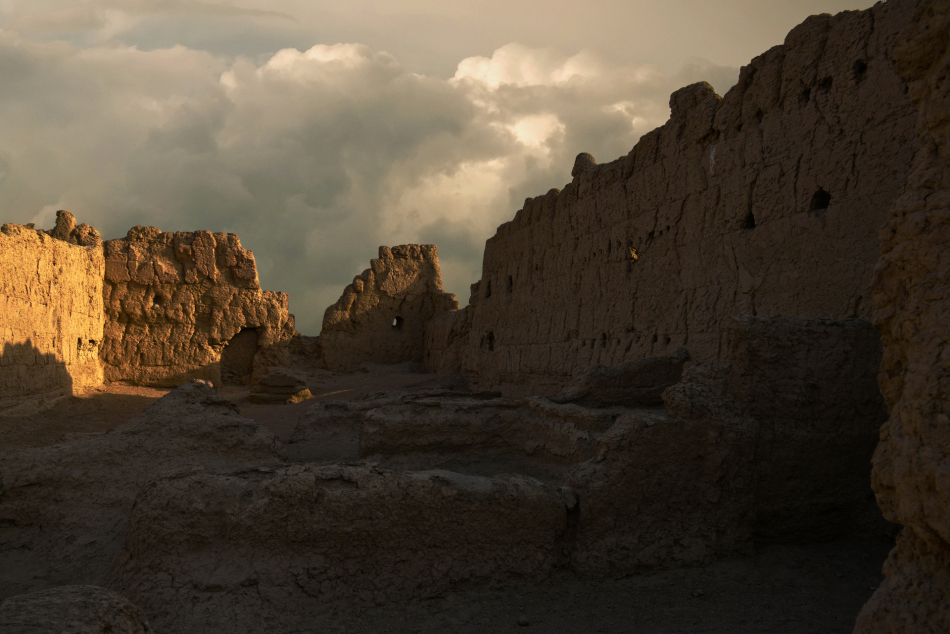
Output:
x=767 y=201
x=770 y=445
x=174 y=300
x=271 y=547
x=51 y=319
x=72 y=610
x=911 y=474
x=63 y=508
x=381 y=317
x=631 y=384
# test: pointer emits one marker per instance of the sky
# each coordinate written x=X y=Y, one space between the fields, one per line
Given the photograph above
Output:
x=319 y=131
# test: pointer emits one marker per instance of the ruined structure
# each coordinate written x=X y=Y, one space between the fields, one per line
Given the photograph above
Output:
x=741 y=236
x=51 y=316
x=381 y=317
x=174 y=301
x=911 y=475
x=764 y=202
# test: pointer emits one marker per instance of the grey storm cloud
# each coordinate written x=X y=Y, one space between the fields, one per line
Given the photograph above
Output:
x=314 y=155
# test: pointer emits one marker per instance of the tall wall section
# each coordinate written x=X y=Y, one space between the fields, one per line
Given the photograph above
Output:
x=173 y=302
x=765 y=202
x=911 y=467
x=51 y=318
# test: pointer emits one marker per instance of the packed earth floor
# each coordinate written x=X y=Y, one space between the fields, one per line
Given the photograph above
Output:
x=778 y=589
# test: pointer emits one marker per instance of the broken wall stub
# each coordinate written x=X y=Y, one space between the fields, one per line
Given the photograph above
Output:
x=174 y=300
x=51 y=317
x=771 y=445
x=911 y=466
x=764 y=202
x=382 y=316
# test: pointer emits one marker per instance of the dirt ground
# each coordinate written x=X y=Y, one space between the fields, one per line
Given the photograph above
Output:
x=780 y=589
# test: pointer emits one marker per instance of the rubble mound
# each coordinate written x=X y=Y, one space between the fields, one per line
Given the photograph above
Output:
x=279 y=387
x=72 y=610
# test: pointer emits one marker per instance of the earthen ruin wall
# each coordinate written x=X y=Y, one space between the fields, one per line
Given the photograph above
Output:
x=51 y=316
x=382 y=316
x=173 y=301
x=765 y=202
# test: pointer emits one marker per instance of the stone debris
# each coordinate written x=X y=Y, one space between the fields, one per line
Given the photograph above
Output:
x=278 y=387
x=72 y=610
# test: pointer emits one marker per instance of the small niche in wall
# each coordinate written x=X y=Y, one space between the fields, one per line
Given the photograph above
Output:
x=749 y=222
x=158 y=300
x=820 y=200
x=490 y=341
x=858 y=70
x=397 y=323
x=488 y=289
x=511 y=284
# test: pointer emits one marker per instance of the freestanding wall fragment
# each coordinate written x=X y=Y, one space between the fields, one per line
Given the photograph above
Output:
x=50 y=316
x=173 y=301
x=381 y=317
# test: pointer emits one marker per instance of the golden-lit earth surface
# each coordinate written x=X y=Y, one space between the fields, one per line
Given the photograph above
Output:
x=785 y=589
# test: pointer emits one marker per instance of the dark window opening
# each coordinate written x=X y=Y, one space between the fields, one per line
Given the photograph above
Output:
x=490 y=340
x=804 y=96
x=655 y=338
x=749 y=222
x=759 y=115
x=820 y=201
x=859 y=70
x=488 y=289
x=739 y=127
x=603 y=340
x=397 y=323
x=158 y=300
x=511 y=284
x=79 y=344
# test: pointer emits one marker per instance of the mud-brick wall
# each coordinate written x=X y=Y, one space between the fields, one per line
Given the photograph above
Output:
x=765 y=202
x=174 y=301
x=51 y=317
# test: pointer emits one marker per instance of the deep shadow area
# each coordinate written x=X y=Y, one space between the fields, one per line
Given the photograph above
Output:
x=75 y=418
x=237 y=358
x=29 y=375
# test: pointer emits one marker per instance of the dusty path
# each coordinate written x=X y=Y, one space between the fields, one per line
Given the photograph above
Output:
x=803 y=589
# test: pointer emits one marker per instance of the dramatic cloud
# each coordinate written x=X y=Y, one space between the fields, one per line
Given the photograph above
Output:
x=206 y=114
x=313 y=157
